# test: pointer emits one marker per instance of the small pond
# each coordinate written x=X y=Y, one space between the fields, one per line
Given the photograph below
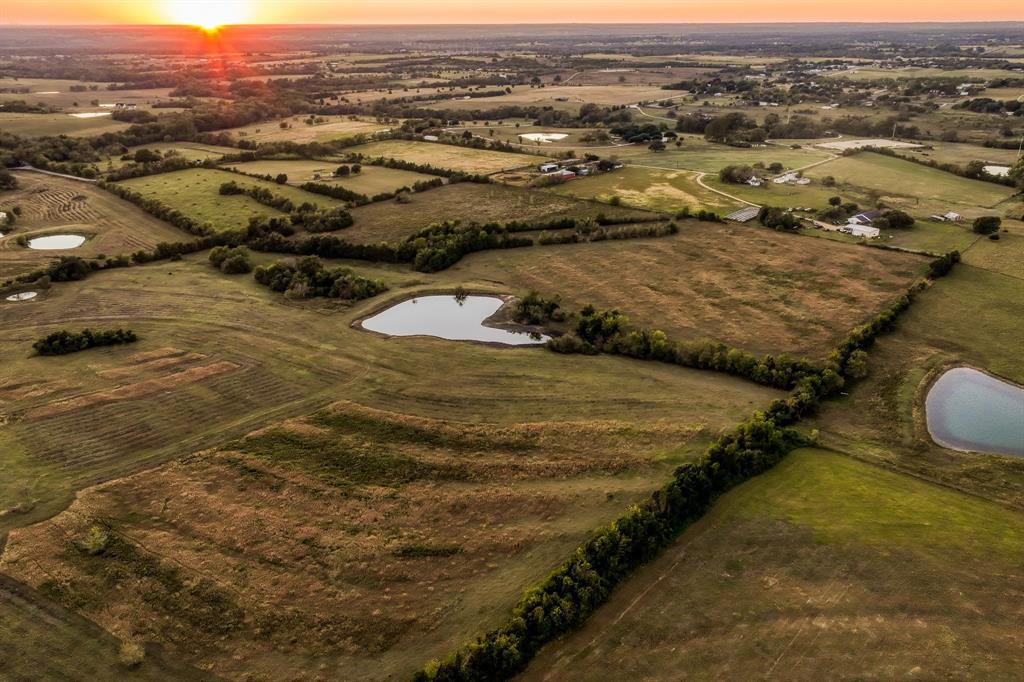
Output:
x=970 y=410
x=23 y=296
x=544 y=137
x=448 y=318
x=56 y=241
x=998 y=171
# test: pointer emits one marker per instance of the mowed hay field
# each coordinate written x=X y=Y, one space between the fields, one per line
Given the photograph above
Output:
x=370 y=180
x=40 y=125
x=53 y=205
x=218 y=356
x=414 y=533
x=746 y=286
x=649 y=189
x=297 y=130
x=698 y=154
x=390 y=538
x=464 y=159
x=822 y=568
x=574 y=95
x=389 y=221
x=918 y=189
x=196 y=193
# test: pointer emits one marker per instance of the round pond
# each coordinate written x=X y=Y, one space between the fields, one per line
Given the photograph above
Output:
x=447 y=317
x=55 y=242
x=969 y=410
x=23 y=296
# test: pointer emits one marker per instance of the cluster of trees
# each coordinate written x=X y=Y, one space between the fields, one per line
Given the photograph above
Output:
x=777 y=219
x=894 y=219
x=837 y=211
x=231 y=260
x=987 y=224
x=734 y=128
x=308 y=278
x=64 y=342
x=736 y=174
x=536 y=309
x=7 y=180
x=328 y=220
x=574 y=590
x=987 y=105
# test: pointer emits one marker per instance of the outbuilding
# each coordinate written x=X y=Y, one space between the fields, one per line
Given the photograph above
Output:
x=863 y=231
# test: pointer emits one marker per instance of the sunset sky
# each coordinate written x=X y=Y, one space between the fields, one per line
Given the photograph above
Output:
x=212 y=12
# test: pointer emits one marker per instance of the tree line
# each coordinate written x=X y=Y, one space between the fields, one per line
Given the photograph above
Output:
x=64 y=342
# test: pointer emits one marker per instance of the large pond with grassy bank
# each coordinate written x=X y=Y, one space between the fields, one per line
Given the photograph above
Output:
x=455 y=318
x=970 y=410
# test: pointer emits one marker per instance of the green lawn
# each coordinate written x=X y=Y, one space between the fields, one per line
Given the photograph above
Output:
x=822 y=568
x=919 y=189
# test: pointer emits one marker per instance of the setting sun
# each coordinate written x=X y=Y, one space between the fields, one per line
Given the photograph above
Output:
x=206 y=14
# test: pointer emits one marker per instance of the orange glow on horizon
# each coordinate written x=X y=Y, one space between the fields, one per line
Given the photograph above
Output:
x=210 y=14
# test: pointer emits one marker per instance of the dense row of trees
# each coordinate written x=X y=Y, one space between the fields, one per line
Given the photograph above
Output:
x=608 y=331
x=571 y=593
x=590 y=233
x=63 y=342
x=308 y=278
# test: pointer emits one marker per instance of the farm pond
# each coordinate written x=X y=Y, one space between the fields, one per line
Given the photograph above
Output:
x=969 y=410
x=448 y=317
x=55 y=242
x=23 y=296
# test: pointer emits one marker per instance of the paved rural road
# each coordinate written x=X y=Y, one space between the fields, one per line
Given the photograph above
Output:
x=46 y=172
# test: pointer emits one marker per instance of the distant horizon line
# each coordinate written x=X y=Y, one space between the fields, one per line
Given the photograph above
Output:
x=509 y=24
